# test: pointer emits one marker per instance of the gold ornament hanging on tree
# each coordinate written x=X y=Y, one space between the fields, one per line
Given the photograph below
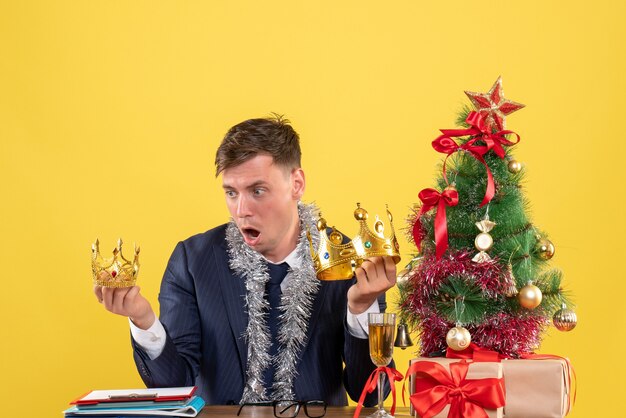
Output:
x=511 y=289
x=458 y=338
x=483 y=241
x=565 y=319
x=544 y=248
x=514 y=166
x=403 y=337
x=403 y=276
x=530 y=296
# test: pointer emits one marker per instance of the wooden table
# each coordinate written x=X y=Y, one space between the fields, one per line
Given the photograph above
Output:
x=230 y=411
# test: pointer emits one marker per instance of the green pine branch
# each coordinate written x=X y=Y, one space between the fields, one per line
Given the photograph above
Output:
x=460 y=120
x=553 y=295
x=461 y=301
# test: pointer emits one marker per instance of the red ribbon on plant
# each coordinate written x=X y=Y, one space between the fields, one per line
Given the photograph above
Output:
x=476 y=353
x=480 y=131
x=392 y=374
x=435 y=388
x=446 y=145
x=432 y=198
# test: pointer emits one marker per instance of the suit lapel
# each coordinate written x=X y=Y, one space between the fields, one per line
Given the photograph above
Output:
x=233 y=291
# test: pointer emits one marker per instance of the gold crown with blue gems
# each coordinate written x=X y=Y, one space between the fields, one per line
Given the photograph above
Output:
x=334 y=260
x=116 y=271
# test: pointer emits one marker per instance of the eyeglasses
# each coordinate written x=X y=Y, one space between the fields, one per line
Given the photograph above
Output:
x=291 y=408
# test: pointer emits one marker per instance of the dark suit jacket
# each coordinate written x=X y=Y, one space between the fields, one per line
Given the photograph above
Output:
x=203 y=313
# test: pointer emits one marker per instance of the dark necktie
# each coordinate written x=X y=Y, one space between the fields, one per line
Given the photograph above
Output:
x=272 y=290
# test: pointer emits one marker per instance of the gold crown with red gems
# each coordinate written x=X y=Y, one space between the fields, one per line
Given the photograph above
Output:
x=116 y=271
x=336 y=261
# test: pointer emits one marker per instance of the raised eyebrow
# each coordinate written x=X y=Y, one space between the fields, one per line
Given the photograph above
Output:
x=257 y=184
x=252 y=186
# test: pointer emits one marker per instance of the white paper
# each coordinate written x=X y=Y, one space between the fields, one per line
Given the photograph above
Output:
x=98 y=395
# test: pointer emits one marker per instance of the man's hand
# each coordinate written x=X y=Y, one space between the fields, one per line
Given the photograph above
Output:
x=375 y=276
x=127 y=301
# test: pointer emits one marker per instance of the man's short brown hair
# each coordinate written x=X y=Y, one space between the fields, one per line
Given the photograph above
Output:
x=272 y=136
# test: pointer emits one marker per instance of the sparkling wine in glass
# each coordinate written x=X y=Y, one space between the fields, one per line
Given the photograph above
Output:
x=381 y=330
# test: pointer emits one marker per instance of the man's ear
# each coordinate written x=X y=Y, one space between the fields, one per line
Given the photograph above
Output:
x=298 y=183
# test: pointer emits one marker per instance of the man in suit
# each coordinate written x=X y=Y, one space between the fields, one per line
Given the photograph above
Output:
x=243 y=316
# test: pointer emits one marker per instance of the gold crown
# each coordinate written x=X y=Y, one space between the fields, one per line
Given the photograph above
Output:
x=336 y=261
x=116 y=271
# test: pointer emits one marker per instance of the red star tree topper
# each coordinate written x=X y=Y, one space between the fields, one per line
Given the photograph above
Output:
x=493 y=106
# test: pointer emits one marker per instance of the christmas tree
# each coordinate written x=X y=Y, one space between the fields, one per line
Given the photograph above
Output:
x=481 y=272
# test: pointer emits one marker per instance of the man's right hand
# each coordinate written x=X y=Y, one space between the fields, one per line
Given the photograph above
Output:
x=127 y=301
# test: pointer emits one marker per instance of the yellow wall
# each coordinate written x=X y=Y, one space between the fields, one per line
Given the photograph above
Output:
x=110 y=113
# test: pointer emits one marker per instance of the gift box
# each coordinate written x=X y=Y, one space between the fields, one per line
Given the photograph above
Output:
x=537 y=388
x=480 y=375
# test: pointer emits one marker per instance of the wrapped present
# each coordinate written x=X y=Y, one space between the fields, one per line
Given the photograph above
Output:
x=537 y=387
x=443 y=387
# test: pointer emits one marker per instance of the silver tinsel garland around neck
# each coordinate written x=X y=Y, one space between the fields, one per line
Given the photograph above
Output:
x=296 y=304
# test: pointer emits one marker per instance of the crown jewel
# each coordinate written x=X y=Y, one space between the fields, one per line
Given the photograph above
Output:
x=116 y=271
x=336 y=260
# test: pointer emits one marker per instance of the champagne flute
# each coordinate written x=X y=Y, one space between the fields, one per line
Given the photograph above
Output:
x=381 y=330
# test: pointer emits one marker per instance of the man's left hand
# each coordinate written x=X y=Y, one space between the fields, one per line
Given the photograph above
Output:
x=373 y=278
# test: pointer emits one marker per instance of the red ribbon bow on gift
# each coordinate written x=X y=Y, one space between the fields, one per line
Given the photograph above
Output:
x=392 y=374
x=435 y=388
x=480 y=131
x=432 y=198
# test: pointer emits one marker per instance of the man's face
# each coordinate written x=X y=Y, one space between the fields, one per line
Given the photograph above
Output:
x=262 y=198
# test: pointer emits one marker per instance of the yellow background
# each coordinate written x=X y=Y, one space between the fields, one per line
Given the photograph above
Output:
x=111 y=111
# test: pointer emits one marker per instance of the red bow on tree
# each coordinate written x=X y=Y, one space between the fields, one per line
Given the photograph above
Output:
x=432 y=198
x=481 y=132
x=435 y=388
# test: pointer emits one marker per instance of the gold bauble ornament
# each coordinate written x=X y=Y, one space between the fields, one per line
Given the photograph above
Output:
x=403 y=276
x=451 y=188
x=545 y=249
x=565 y=319
x=458 y=338
x=514 y=166
x=530 y=296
